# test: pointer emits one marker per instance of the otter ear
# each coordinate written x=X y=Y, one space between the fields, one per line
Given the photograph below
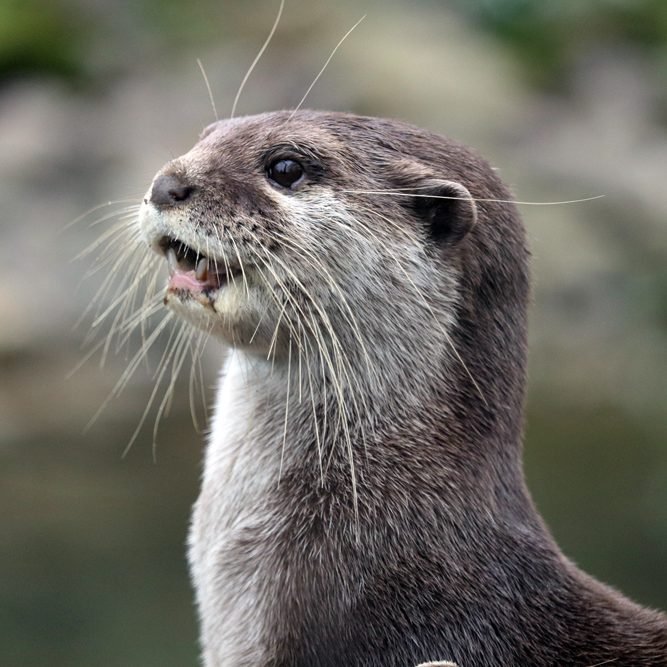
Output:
x=447 y=207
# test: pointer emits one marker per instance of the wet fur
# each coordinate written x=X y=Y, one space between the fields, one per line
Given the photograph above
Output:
x=402 y=532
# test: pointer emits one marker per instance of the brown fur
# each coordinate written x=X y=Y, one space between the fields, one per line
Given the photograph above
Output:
x=441 y=555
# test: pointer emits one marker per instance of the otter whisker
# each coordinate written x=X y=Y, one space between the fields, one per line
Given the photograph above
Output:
x=318 y=266
x=130 y=292
x=323 y=353
x=100 y=294
x=180 y=350
x=124 y=329
x=109 y=244
x=208 y=251
x=258 y=325
x=127 y=374
x=443 y=329
x=342 y=365
x=128 y=313
x=346 y=312
x=120 y=298
x=257 y=57
x=121 y=242
x=475 y=199
x=114 y=260
x=325 y=413
x=266 y=261
x=272 y=293
x=274 y=337
x=153 y=394
x=300 y=388
x=86 y=357
x=319 y=439
x=408 y=235
x=127 y=318
x=83 y=216
x=208 y=88
x=238 y=256
x=339 y=369
x=179 y=357
x=130 y=254
x=200 y=372
x=173 y=332
x=326 y=64
x=149 y=296
x=287 y=393
x=224 y=258
x=197 y=375
x=124 y=225
x=132 y=260
x=306 y=292
x=139 y=356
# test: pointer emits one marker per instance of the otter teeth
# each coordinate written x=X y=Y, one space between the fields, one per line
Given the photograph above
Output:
x=201 y=272
x=172 y=261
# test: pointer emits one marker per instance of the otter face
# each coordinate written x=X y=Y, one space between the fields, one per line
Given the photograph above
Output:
x=280 y=228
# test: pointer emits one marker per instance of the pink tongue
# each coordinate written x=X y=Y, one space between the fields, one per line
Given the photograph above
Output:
x=186 y=280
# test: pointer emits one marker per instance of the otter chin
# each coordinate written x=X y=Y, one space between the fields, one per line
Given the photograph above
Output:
x=210 y=292
x=363 y=500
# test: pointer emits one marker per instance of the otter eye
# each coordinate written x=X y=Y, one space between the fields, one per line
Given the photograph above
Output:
x=285 y=172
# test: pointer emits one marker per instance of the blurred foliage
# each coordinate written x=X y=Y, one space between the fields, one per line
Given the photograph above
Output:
x=40 y=37
x=179 y=23
x=546 y=34
x=568 y=444
x=52 y=37
x=96 y=574
x=86 y=44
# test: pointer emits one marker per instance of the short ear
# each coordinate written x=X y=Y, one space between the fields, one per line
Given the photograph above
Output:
x=447 y=207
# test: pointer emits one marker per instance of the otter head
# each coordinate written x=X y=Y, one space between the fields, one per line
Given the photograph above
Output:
x=347 y=236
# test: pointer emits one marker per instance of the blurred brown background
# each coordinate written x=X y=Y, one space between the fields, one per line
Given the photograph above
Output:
x=567 y=99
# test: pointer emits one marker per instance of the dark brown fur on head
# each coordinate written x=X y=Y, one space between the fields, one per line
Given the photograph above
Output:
x=438 y=553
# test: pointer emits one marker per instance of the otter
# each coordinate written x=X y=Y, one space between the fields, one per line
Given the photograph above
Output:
x=363 y=501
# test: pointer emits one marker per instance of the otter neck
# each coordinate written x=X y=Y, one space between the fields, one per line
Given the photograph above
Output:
x=291 y=416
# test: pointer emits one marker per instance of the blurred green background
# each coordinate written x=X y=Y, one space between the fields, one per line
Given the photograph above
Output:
x=568 y=99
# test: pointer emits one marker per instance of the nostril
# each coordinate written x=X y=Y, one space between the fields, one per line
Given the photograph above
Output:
x=169 y=190
x=180 y=192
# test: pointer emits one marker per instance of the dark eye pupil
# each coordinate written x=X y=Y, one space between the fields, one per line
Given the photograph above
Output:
x=285 y=172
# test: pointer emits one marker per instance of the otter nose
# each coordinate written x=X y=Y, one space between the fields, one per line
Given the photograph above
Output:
x=169 y=190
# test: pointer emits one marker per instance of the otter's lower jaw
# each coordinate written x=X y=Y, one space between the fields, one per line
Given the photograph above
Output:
x=239 y=314
x=209 y=287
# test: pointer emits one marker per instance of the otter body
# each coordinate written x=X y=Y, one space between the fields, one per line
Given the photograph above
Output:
x=363 y=501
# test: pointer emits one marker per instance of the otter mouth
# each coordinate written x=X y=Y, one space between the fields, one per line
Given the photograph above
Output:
x=193 y=273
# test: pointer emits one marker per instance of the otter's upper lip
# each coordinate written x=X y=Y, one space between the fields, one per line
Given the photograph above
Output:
x=192 y=270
